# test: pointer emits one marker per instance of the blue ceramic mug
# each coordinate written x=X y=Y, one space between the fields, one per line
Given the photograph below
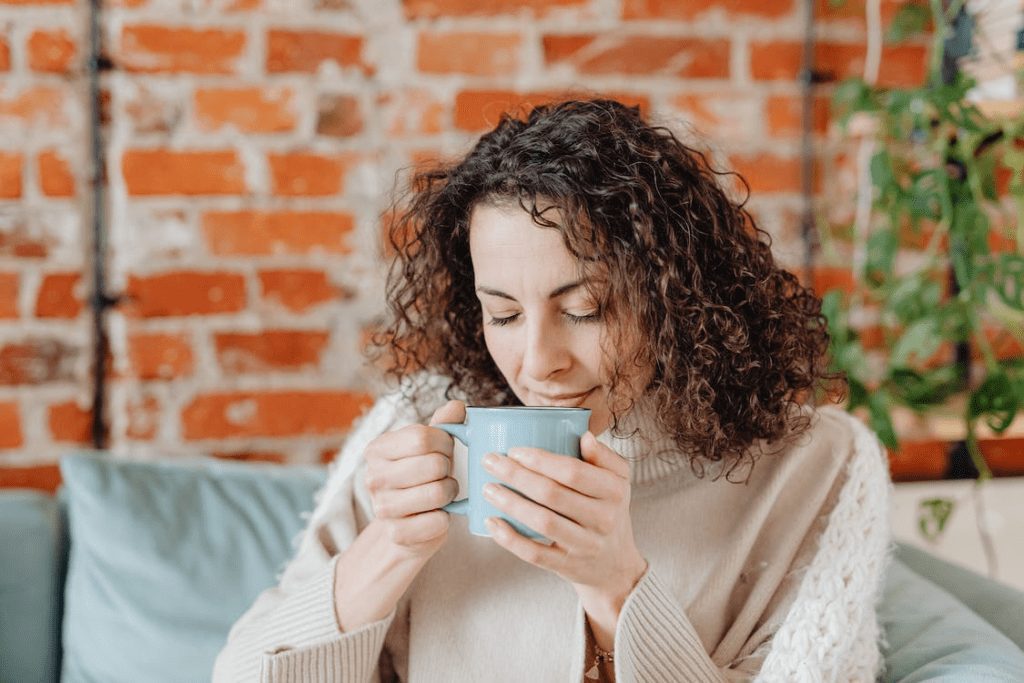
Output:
x=495 y=430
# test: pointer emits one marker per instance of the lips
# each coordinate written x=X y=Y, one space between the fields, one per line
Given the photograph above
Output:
x=566 y=400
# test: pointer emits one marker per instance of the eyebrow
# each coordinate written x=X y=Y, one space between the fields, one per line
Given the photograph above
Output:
x=555 y=293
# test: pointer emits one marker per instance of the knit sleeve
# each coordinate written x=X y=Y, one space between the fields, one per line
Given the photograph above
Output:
x=291 y=632
x=831 y=631
x=655 y=640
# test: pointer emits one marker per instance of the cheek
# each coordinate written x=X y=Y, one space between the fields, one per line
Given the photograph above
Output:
x=501 y=346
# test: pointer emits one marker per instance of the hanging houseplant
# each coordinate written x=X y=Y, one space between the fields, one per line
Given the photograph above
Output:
x=938 y=253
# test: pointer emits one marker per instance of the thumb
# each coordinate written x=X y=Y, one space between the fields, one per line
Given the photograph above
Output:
x=599 y=455
x=452 y=411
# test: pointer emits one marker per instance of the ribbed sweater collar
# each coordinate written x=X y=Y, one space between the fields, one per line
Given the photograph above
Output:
x=652 y=454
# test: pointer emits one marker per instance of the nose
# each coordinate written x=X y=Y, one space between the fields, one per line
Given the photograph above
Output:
x=547 y=351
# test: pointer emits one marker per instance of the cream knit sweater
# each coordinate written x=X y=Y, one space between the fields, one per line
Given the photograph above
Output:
x=772 y=580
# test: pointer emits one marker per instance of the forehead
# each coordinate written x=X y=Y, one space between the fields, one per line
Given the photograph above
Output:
x=507 y=234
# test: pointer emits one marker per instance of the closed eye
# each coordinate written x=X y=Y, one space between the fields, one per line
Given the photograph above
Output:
x=502 y=321
x=574 y=319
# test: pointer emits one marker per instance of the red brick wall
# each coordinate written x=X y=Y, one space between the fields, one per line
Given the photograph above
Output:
x=251 y=145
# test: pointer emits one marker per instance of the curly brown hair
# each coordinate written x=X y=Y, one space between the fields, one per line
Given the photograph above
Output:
x=736 y=343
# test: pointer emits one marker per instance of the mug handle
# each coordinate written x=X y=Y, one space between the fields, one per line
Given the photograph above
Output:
x=459 y=507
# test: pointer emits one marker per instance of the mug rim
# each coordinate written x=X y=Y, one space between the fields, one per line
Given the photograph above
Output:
x=538 y=408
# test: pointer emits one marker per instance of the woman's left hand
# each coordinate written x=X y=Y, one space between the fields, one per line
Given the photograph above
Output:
x=581 y=505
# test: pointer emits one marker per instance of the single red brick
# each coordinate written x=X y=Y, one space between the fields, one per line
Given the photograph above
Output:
x=338 y=116
x=10 y=175
x=38 y=360
x=783 y=114
x=170 y=172
x=270 y=350
x=691 y=9
x=250 y=110
x=186 y=293
x=478 y=54
x=156 y=355
x=307 y=174
x=640 y=54
x=69 y=423
x=22 y=242
x=41 y=477
x=39 y=106
x=59 y=296
x=767 y=172
x=5 y=55
x=9 y=288
x=828 y=278
x=299 y=290
x=278 y=413
x=432 y=9
x=51 y=51
x=10 y=425
x=477 y=110
x=55 y=177
x=155 y=49
x=725 y=113
x=290 y=50
x=257 y=233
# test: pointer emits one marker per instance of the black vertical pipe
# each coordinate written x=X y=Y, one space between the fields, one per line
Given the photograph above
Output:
x=807 y=81
x=99 y=301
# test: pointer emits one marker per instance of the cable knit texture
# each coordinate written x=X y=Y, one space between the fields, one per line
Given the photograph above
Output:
x=773 y=580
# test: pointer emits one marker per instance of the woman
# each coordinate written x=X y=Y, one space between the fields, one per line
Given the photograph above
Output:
x=716 y=528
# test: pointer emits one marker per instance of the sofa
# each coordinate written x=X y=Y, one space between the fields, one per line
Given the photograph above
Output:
x=135 y=570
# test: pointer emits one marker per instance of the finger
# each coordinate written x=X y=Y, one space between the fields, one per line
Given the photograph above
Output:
x=393 y=503
x=416 y=529
x=407 y=472
x=409 y=441
x=545 y=522
x=526 y=549
x=573 y=473
x=546 y=491
x=452 y=411
x=599 y=455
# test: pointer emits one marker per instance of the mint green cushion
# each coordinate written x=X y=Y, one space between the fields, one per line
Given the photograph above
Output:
x=934 y=637
x=30 y=575
x=165 y=556
x=997 y=603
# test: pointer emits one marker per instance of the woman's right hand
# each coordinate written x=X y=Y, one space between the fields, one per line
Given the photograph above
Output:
x=408 y=476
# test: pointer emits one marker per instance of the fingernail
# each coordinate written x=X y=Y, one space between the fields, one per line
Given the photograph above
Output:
x=490 y=460
x=517 y=454
x=491 y=525
x=490 y=492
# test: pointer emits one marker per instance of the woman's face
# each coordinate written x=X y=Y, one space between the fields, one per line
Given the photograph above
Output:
x=542 y=329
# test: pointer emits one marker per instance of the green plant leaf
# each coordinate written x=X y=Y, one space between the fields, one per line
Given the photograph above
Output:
x=923 y=390
x=910 y=20
x=1009 y=280
x=996 y=400
x=882 y=175
x=881 y=255
x=932 y=516
x=921 y=340
x=913 y=297
x=879 y=418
